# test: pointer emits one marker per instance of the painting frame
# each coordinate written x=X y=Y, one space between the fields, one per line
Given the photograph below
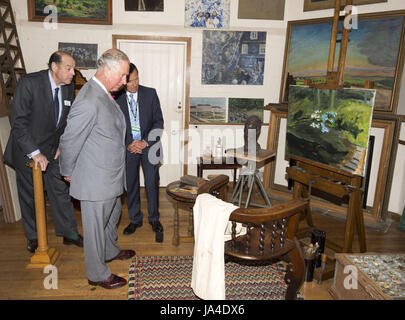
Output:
x=330 y=4
x=399 y=65
x=33 y=16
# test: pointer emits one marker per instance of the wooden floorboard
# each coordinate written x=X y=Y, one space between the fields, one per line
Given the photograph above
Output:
x=17 y=282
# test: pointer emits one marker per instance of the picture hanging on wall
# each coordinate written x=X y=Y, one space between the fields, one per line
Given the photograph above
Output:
x=212 y=14
x=233 y=57
x=310 y=5
x=85 y=54
x=144 y=5
x=239 y=109
x=207 y=110
x=78 y=11
x=330 y=126
x=374 y=53
x=261 y=9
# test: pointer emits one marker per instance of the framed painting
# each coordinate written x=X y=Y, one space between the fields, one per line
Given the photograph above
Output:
x=207 y=110
x=144 y=5
x=239 y=109
x=310 y=5
x=261 y=9
x=72 y=11
x=330 y=126
x=375 y=53
x=213 y=14
x=85 y=54
x=233 y=57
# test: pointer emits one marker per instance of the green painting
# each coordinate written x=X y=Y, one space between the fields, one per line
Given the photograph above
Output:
x=94 y=9
x=239 y=109
x=330 y=126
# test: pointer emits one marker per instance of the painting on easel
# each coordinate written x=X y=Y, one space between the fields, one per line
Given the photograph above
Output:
x=330 y=126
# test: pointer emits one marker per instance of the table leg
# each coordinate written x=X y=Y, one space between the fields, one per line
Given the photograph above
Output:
x=176 y=241
x=263 y=190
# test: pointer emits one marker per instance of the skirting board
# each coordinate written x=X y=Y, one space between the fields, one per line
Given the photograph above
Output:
x=9 y=194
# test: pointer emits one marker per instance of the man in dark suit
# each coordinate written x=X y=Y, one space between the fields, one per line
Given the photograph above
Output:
x=144 y=120
x=41 y=104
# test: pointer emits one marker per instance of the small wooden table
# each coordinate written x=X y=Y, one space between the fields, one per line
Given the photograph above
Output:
x=250 y=174
x=187 y=200
x=209 y=163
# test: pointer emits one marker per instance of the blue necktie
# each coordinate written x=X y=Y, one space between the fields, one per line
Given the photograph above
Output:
x=56 y=105
x=136 y=134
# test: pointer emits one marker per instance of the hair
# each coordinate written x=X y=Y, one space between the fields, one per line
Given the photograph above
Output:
x=56 y=57
x=111 y=58
x=132 y=68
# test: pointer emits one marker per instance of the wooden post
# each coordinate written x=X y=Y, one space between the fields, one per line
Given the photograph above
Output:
x=43 y=256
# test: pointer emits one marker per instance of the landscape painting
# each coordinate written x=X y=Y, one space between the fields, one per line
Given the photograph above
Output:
x=144 y=5
x=72 y=11
x=207 y=110
x=233 y=57
x=85 y=54
x=239 y=109
x=330 y=126
x=212 y=14
x=374 y=54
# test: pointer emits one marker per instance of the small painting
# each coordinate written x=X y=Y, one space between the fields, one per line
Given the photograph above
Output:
x=71 y=11
x=212 y=14
x=85 y=54
x=143 y=5
x=330 y=126
x=207 y=110
x=233 y=57
x=240 y=109
x=261 y=9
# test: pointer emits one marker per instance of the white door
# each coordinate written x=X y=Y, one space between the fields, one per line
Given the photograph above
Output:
x=162 y=65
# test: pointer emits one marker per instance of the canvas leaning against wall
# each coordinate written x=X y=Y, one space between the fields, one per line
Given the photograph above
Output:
x=330 y=126
x=212 y=14
x=207 y=110
x=233 y=57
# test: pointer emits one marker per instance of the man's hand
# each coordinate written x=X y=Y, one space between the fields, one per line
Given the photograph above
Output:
x=40 y=160
x=68 y=179
x=137 y=146
x=56 y=154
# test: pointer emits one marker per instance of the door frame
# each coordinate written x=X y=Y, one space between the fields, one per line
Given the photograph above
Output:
x=187 y=40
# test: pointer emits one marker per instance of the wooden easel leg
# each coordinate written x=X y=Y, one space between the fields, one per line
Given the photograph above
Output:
x=360 y=227
x=350 y=222
x=43 y=256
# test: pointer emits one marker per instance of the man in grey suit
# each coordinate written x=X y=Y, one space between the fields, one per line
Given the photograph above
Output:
x=92 y=159
x=41 y=104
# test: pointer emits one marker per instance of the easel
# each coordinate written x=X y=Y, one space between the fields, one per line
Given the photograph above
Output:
x=306 y=173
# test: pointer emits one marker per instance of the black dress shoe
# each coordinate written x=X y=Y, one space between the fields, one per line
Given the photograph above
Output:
x=130 y=229
x=78 y=242
x=112 y=282
x=123 y=255
x=32 y=245
x=158 y=229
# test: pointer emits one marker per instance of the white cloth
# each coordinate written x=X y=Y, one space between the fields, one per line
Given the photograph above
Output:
x=211 y=222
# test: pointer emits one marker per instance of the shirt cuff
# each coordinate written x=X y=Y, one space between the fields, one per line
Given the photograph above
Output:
x=34 y=153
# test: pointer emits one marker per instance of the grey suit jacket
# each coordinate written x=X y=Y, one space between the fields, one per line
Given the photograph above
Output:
x=92 y=148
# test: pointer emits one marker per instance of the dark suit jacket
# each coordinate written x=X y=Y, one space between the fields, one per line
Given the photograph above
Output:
x=150 y=116
x=33 y=119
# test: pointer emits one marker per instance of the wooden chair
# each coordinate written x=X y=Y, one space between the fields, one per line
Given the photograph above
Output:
x=270 y=235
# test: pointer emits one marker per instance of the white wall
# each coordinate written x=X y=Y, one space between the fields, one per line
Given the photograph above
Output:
x=38 y=43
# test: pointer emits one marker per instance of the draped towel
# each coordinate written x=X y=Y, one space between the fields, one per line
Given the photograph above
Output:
x=211 y=229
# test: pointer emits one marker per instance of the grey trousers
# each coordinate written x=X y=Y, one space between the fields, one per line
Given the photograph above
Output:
x=100 y=219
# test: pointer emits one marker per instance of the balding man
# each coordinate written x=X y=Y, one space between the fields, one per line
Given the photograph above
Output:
x=93 y=161
x=41 y=104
